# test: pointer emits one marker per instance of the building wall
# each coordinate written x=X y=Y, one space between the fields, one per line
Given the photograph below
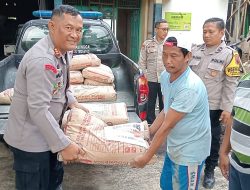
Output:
x=201 y=10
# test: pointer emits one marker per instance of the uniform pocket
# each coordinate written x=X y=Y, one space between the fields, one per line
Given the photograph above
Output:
x=214 y=71
x=151 y=49
x=194 y=62
x=194 y=65
x=57 y=95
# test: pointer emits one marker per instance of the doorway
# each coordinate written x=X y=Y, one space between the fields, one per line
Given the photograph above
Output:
x=128 y=27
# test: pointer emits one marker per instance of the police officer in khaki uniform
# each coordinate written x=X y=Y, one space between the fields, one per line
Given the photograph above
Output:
x=41 y=95
x=218 y=67
x=150 y=62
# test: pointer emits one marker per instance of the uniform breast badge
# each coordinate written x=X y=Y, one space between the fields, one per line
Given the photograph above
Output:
x=213 y=73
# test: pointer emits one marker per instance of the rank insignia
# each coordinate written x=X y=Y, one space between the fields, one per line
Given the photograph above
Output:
x=57 y=53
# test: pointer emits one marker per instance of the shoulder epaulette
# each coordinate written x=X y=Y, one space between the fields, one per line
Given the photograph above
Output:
x=228 y=47
x=197 y=46
x=148 y=41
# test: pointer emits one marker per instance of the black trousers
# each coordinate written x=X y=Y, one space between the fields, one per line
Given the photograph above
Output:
x=37 y=171
x=154 y=91
x=212 y=160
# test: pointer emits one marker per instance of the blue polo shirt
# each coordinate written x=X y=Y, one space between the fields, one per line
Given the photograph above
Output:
x=190 y=140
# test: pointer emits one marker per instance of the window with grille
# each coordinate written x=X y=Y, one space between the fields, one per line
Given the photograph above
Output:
x=102 y=2
x=120 y=3
x=76 y=2
x=128 y=4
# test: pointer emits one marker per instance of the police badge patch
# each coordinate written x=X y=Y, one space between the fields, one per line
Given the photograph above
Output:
x=213 y=73
x=51 y=68
x=57 y=87
x=233 y=68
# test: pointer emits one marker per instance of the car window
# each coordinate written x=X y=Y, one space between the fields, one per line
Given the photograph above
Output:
x=32 y=35
x=96 y=39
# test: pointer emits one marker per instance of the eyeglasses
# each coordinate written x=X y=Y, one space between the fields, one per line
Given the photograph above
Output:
x=164 y=29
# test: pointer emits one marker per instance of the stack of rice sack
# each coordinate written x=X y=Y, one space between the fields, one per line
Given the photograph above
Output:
x=6 y=96
x=78 y=63
x=98 y=76
x=76 y=77
x=91 y=80
x=103 y=144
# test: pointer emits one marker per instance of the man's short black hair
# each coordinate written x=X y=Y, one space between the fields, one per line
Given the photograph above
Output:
x=218 y=21
x=157 y=23
x=65 y=9
x=174 y=42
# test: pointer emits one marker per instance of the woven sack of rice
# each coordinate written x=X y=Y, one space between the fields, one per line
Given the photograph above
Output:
x=87 y=93
x=101 y=74
x=111 y=114
x=96 y=83
x=76 y=77
x=64 y=120
x=102 y=144
x=78 y=62
x=6 y=96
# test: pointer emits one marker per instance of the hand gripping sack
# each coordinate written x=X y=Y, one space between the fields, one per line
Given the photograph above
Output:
x=6 y=96
x=102 y=144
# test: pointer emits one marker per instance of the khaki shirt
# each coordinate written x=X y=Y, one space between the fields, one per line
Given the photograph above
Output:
x=150 y=60
x=219 y=70
x=38 y=101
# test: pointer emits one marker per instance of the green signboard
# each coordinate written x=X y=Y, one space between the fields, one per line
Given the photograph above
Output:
x=178 y=20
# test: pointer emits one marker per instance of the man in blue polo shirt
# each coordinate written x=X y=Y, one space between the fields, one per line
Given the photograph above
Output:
x=184 y=122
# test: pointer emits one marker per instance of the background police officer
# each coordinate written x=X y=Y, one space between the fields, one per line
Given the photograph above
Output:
x=41 y=95
x=150 y=62
x=218 y=67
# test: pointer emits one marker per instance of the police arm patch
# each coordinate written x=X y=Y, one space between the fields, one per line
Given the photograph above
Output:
x=50 y=68
x=233 y=68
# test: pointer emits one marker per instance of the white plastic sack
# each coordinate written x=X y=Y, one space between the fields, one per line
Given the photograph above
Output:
x=112 y=114
x=101 y=74
x=76 y=77
x=87 y=93
x=96 y=83
x=78 y=62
